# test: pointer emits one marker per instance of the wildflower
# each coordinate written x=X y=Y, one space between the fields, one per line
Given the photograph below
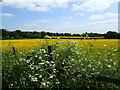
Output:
x=108 y=52
x=109 y=66
x=76 y=45
x=34 y=79
x=20 y=52
x=57 y=54
x=32 y=68
x=47 y=82
x=11 y=84
x=36 y=56
x=40 y=69
x=110 y=59
x=36 y=74
x=99 y=53
x=113 y=54
x=47 y=62
x=53 y=65
x=20 y=59
x=36 y=45
x=41 y=63
x=42 y=60
x=46 y=55
x=85 y=58
x=52 y=62
x=75 y=42
x=59 y=42
x=36 y=67
x=51 y=76
x=40 y=57
x=57 y=82
x=24 y=59
x=32 y=50
x=77 y=52
x=105 y=45
x=114 y=63
x=89 y=65
x=79 y=60
x=40 y=76
x=99 y=62
x=37 y=40
x=43 y=50
x=44 y=84
x=98 y=73
x=72 y=59
x=27 y=61
x=29 y=75
x=54 y=69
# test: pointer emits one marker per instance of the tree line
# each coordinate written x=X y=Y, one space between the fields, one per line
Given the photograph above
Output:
x=18 y=34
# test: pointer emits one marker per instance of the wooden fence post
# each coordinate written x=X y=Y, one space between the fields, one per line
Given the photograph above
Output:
x=51 y=52
x=14 y=50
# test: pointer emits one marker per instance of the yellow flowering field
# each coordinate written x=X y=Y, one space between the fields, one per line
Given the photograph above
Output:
x=23 y=44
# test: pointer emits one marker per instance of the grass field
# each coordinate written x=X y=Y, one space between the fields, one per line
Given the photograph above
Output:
x=32 y=66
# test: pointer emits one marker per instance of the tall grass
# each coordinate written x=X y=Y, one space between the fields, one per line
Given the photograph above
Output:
x=35 y=69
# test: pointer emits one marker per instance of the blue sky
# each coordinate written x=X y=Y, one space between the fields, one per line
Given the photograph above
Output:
x=57 y=16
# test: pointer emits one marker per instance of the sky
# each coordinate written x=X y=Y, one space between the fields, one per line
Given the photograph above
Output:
x=71 y=16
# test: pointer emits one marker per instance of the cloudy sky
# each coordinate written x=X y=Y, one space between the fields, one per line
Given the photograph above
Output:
x=75 y=16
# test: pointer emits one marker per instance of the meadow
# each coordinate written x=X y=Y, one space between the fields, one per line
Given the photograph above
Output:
x=76 y=62
x=22 y=44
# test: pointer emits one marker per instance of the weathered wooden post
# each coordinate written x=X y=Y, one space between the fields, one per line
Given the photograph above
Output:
x=14 y=50
x=51 y=52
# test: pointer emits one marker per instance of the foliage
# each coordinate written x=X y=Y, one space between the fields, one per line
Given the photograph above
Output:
x=36 y=70
x=112 y=35
x=18 y=34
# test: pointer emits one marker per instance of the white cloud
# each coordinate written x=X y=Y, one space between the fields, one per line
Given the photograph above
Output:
x=45 y=5
x=7 y=15
x=66 y=22
x=102 y=16
x=80 y=14
x=71 y=17
x=36 y=5
x=43 y=0
x=93 y=5
x=39 y=22
x=44 y=21
x=99 y=27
